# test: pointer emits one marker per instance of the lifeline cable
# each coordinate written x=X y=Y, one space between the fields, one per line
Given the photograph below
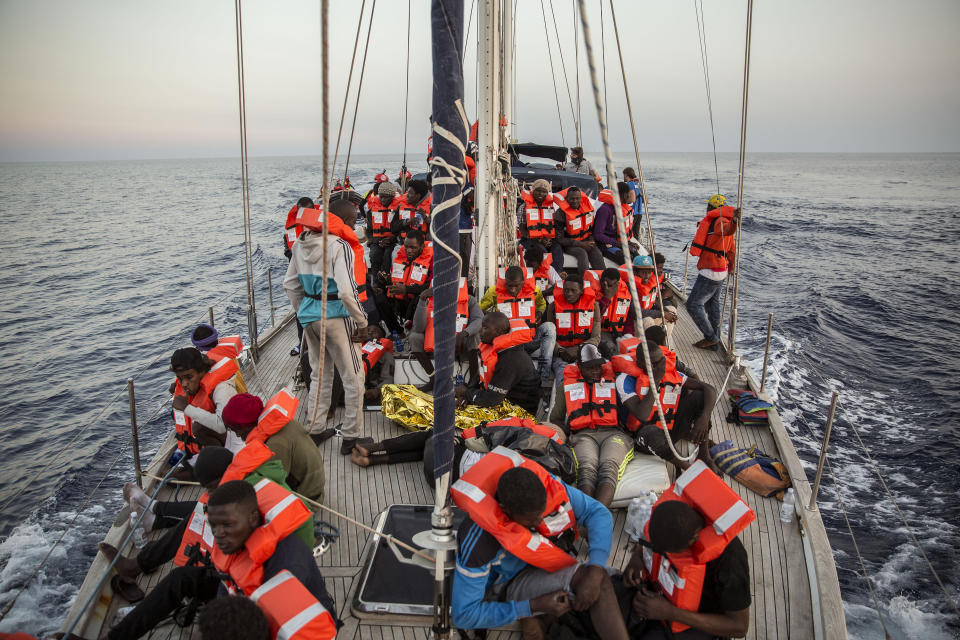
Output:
x=631 y=282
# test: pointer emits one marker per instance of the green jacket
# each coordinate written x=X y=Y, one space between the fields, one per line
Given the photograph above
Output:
x=273 y=470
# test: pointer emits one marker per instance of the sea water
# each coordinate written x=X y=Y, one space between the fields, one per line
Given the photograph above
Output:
x=106 y=266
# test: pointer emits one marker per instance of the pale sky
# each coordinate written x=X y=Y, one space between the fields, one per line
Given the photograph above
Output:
x=123 y=79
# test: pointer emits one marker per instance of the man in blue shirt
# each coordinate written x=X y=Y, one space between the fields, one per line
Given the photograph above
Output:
x=493 y=587
x=630 y=177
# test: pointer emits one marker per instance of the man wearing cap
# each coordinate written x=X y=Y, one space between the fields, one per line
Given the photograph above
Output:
x=346 y=319
x=587 y=407
x=714 y=243
x=380 y=214
x=643 y=275
x=579 y=164
x=537 y=220
x=296 y=450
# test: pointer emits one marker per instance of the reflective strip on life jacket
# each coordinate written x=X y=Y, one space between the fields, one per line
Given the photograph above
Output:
x=463 y=315
x=197 y=541
x=292 y=612
x=227 y=347
x=292 y=228
x=681 y=576
x=589 y=406
x=574 y=321
x=474 y=493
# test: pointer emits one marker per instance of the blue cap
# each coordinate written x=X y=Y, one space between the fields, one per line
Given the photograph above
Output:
x=643 y=261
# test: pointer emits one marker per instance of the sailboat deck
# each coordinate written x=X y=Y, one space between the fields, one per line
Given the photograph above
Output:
x=779 y=574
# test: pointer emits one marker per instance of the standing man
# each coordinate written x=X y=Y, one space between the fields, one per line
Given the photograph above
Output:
x=346 y=325
x=630 y=177
x=579 y=164
x=715 y=243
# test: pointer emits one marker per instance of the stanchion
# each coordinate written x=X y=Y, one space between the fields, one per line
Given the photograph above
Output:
x=270 y=295
x=136 y=437
x=766 y=352
x=211 y=317
x=823 y=453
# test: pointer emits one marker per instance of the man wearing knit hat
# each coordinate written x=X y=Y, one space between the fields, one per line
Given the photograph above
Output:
x=537 y=213
x=291 y=444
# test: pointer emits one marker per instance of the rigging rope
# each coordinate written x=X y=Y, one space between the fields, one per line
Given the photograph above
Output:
x=356 y=105
x=406 y=107
x=325 y=75
x=553 y=72
x=621 y=232
x=576 y=70
x=245 y=179
x=566 y=78
x=603 y=61
x=702 y=39
x=346 y=92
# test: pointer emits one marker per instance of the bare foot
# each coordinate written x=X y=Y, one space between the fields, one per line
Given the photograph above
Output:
x=363 y=450
x=126 y=567
x=359 y=459
x=135 y=497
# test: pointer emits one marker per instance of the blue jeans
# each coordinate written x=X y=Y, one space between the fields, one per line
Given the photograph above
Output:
x=544 y=340
x=704 y=306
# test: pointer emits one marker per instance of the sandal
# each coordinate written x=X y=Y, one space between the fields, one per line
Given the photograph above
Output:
x=129 y=591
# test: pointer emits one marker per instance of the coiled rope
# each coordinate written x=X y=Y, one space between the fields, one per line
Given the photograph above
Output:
x=631 y=282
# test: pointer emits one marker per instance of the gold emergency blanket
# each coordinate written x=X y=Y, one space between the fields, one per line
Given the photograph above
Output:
x=413 y=409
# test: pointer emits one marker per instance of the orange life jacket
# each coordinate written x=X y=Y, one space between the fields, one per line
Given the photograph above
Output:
x=579 y=221
x=474 y=493
x=628 y=345
x=409 y=213
x=372 y=351
x=715 y=249
x=574 y=321
x=411 y=272
x=291 y=610
x=670 y=386
x=313 y=219
x=680 y=576
x=280 y=409
x=519 y=333
x=282 y=514
x=526 y=423
x=539 y=217
x=650 y=287
x=221 y=371
x=198 y=531
x=590 y=406
x=626 y=210
x=615 y=317
x=521 y=307
x=292 y=229
x=227 y=347
x=463 y=315
x=542 y=277
x=380 y=216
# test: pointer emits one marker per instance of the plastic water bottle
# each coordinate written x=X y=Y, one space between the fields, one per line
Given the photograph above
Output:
x=397 y=342
x=139 y=537
x=788 y=507
x=632 y=527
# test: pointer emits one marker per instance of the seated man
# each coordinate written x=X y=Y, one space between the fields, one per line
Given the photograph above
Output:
x=252 y=464
x=518 y=298
x=616 y=309
x=605 y=224
x=235 y=510
x=686 y=402
x=576 y=315
x=513 y=554
x=283 y=435
x=208 y=340
x=724 y=608
x=380 y=237
x=413 y=210
x=658 y=334
x=537 y=221
x=421 y=337
x=202 y=390
x=541 y=267
x=506 y=371
x=575 y=218
x=588 y=410
x=647 y=284
x=396 y=293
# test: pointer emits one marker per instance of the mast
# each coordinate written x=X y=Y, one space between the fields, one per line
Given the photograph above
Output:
x=506 y=76
x=487 y=194
x=450 y=133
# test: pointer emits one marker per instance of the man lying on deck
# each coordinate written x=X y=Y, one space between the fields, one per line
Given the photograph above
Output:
x=251 y=464
x=235 y=510
x=512 y=555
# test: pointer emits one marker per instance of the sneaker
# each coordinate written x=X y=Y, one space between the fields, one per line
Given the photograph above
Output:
x=295 y=351
x=346 y=446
